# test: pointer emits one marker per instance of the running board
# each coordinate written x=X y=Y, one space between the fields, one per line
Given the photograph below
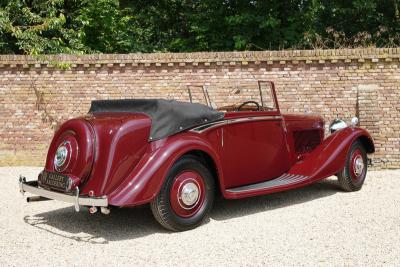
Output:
x=283 y=182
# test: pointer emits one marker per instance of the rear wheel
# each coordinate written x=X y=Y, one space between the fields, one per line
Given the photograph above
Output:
x=352 y=177
x=186 y=196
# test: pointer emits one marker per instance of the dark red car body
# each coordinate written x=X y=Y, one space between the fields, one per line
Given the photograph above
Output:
x=114 y=158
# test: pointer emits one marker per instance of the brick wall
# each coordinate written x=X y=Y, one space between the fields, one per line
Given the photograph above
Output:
x=38 y=93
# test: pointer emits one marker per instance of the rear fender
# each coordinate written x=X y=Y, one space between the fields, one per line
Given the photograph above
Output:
x=145 y=181
x=330 y=156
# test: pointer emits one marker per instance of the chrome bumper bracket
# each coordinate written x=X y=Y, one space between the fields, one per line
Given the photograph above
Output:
x=76 y=204
x=74 y=198
x=21 y=181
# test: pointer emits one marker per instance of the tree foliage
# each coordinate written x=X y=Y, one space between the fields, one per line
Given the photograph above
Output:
x=123 y=26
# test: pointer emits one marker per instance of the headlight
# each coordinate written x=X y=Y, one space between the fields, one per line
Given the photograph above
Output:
x=337 y=124
x=61 y=156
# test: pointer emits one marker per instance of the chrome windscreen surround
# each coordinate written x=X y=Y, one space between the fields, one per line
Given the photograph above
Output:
x=74 y=198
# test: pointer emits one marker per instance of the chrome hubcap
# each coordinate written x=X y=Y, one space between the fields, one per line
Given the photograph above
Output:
x=61 y=156
x=358 y=165
x=189 y=194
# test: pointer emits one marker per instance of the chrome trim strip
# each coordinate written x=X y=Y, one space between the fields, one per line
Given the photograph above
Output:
x=75 y=199
x=212 y=125
x=208 y=126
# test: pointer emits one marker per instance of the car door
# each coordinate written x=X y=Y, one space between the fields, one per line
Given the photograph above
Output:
x=254 y=149
x=254 y=142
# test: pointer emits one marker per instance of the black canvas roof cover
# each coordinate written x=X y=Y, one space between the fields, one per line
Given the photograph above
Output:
x=168 y=116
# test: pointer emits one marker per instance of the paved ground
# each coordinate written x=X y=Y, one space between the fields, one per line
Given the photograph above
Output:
x=317 y=225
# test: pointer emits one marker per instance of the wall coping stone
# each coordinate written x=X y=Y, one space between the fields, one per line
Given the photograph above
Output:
x=232 y=58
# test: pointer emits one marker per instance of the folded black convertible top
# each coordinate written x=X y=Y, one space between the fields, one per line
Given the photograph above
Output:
x=168 y=116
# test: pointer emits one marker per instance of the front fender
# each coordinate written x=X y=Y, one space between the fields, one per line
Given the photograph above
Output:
x=330 y=156
x=145 y=181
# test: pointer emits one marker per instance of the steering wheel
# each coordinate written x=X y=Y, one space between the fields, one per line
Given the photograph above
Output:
x=248 y=102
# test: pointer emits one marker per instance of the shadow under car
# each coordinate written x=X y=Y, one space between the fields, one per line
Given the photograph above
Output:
x=131 y=223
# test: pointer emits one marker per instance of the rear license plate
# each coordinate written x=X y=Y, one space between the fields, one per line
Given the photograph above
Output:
x=54 y=180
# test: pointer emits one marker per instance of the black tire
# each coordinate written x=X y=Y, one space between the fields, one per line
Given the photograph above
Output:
x=348 y=180
x=161 y=205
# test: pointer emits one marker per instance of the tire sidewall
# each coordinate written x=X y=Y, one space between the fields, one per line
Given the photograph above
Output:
x=189 y=163
x=360 y=181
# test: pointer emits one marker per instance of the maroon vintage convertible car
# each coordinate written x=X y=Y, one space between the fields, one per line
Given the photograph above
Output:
x=178 y=155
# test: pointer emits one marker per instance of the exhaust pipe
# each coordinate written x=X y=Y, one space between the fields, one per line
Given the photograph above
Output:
x=36 y=198
x=92 y=210
x=105 y=210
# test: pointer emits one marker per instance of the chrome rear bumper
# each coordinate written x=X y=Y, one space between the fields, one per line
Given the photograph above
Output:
x=74 y=198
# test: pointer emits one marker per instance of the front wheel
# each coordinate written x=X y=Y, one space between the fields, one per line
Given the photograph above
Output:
x=186 y=196
x=352 y=177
